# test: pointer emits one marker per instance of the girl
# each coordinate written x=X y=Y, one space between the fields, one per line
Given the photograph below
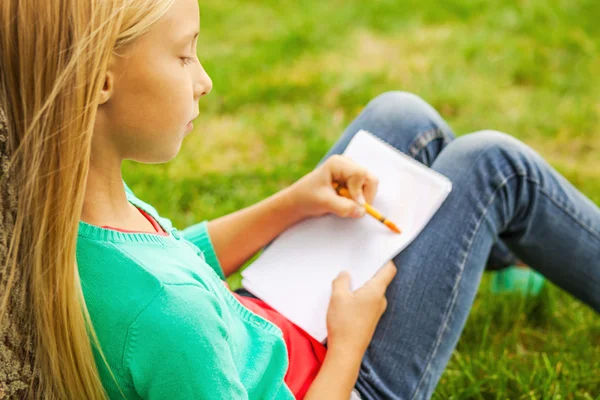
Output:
x=126 y=305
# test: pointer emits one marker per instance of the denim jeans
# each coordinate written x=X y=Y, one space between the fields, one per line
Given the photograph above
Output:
x=506 y=202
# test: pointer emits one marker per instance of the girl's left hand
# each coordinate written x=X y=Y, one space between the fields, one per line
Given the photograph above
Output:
x=314 y=195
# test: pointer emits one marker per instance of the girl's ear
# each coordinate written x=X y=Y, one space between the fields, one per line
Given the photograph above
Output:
x=107 y=89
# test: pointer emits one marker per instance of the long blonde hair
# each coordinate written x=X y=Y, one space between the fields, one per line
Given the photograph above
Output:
x=54 y=57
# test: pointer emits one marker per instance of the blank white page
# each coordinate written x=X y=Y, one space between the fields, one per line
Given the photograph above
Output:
x=294 y=274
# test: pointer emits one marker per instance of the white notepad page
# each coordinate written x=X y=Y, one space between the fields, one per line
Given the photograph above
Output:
x=294 y=274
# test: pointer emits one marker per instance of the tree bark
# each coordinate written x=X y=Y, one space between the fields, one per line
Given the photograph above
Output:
x=16 y=341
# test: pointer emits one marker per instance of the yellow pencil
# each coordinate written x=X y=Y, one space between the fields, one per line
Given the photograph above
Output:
x=342 y=191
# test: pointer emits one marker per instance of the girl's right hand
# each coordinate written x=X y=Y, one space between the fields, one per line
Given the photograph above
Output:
x=353 y=316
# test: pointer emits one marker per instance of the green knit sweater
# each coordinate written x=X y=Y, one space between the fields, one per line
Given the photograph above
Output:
x=168 y=326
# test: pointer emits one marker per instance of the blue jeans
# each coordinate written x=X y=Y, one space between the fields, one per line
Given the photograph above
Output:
x=506 y=201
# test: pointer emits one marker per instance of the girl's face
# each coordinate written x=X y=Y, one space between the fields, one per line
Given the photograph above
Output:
x=152 y=90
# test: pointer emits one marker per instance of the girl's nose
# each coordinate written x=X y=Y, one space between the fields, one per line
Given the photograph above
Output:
x=203 y=85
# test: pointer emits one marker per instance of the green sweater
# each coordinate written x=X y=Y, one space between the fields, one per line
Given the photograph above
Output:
x=167 y=324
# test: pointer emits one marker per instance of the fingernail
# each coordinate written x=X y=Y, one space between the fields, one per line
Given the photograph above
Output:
x=361 y=199
x=359 y=212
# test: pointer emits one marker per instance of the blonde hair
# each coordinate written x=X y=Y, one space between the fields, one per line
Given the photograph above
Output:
x=54 y=57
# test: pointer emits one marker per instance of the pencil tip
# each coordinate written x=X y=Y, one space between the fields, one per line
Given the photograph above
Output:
x=392 y=226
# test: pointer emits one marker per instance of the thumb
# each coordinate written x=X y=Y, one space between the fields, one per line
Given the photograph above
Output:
x=342 y=282
x=345 y=208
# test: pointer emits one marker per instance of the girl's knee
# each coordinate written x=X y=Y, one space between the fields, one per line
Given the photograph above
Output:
x=490 y=152
x=399 y=105
x=488 y=143
x=406 y=121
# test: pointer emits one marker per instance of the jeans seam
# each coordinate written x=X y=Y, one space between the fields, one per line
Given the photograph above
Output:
x=556 y=202
x=568 y=212
x=452 y=303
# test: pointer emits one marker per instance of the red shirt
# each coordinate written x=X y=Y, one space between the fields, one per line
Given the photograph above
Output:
x=305 y=354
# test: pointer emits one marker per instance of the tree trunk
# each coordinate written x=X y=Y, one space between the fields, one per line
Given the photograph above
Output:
x=16 y=340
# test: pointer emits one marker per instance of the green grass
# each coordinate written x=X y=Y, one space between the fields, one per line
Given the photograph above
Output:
x=289 y=76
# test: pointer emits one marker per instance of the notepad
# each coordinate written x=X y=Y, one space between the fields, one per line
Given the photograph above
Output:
x=294 y=273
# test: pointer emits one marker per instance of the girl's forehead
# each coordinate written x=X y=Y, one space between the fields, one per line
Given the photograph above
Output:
x=177 y=26
x=183 y=14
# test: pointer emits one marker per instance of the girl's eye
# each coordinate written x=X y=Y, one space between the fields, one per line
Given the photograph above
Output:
x=187 y=60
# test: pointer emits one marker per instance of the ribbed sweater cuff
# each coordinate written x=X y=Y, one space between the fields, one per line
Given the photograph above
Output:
x=198 y=235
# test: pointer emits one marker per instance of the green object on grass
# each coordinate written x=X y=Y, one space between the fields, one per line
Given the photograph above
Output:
x=517 y=279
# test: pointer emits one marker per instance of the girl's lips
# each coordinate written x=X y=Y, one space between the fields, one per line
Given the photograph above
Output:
x=190 y=124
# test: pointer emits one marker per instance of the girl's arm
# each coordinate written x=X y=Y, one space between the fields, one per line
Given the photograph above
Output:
x=238 y=236
x=337 y=376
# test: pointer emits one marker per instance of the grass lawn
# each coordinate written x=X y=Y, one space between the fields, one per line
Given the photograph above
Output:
x=289 y=76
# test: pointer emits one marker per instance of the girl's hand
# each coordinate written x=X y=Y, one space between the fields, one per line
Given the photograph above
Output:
x=353 y=316
x=313 y=194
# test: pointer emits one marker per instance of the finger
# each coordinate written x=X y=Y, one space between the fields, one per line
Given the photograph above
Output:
x=343 y=207
x=341 y=284
x=370 y=188
x=384 y=276
x=384 y=305
x=346 y=171
x=355 y=185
